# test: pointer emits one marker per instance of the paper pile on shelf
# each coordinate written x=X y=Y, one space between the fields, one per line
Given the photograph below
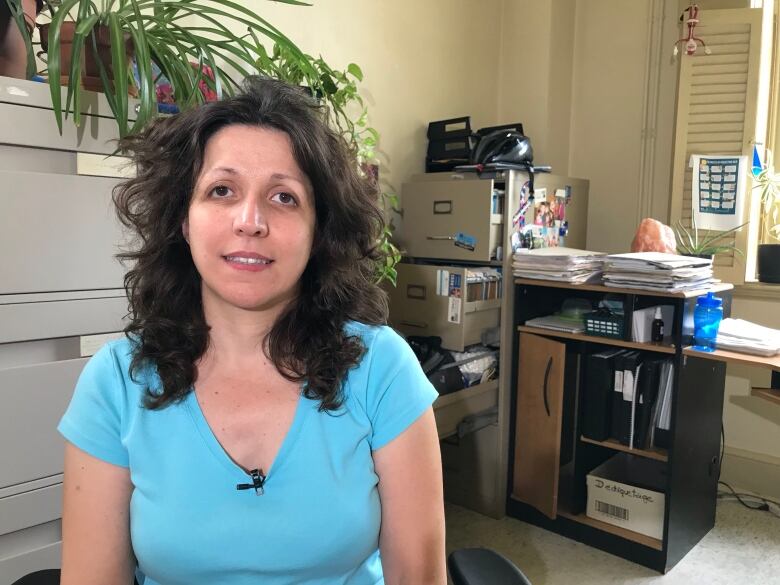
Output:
x=657 y=271
x=746 y=337
x=559 y=264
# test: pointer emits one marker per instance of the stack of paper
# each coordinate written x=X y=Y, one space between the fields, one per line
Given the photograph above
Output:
x=746 y=337
x=657 y=271
x=559 y=264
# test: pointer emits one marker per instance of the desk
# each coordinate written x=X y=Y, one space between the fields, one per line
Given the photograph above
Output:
x=549 y=458
x=772 y=394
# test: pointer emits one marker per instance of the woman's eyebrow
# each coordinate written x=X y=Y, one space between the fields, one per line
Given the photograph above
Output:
x=283 y=176
x=228 y=170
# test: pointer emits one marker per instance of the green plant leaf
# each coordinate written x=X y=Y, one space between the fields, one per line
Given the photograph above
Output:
x=355 y=71
x=118 y=57
x=84 y=28
x=53 y=62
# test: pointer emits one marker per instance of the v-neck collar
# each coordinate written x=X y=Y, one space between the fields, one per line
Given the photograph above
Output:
x=227 y=462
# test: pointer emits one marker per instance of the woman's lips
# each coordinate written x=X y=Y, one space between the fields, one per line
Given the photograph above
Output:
x=249 y=262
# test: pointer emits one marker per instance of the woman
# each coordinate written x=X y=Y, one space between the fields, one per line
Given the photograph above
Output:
x=258 y=424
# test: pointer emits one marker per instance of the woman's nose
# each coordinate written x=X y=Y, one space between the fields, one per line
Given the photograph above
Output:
x=250 y=220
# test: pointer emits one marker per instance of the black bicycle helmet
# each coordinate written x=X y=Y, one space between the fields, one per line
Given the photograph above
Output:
x=506 y=146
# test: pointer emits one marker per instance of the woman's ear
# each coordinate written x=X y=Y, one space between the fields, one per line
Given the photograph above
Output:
x=185 y=230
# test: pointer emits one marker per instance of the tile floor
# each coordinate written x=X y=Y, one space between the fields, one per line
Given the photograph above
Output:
x=743 y=548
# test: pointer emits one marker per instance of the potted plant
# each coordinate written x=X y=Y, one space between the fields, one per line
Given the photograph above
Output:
x=692 y=243
x=338 y=93
x=109 y=33
x=768 y=259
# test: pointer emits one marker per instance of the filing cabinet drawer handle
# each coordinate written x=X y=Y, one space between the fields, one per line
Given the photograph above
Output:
x=442 y=207
x=415 y=291
x=544 y=389
x=417 y=324
x=440 y=237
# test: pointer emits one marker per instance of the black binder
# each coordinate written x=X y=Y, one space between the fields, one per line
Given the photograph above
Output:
x=622 y=402
x=649 y=383
x=599 y=383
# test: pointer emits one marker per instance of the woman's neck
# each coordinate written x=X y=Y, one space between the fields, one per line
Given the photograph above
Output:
x=237 y=336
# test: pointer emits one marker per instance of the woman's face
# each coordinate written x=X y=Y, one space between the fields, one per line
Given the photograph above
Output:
x=250 y=224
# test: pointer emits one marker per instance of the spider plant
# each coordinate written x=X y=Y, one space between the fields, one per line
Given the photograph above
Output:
x=170 y=33
x=768 y=185
x=693 y=243
x=338 y=94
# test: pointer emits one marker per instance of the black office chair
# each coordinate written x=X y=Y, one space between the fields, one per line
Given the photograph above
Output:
x=482 y=566
x=467 y=566
x=45 y=577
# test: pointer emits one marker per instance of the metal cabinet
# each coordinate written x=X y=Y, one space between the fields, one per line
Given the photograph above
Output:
x=421 y=306
x=60 y=285
x=451 y=217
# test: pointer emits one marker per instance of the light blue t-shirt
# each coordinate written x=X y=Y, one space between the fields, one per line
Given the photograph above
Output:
x=317 y=521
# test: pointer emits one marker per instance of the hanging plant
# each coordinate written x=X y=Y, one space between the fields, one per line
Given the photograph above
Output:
x=120 y=35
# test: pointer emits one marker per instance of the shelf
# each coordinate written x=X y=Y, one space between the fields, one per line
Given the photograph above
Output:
x=719 y=287
x=653 y=453
x=658 y=348
x=452 y=408
x=767 y=394
x=721 y=355
x=616 y=530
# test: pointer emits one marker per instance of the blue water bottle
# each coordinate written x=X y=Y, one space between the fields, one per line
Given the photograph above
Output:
x=706 y=320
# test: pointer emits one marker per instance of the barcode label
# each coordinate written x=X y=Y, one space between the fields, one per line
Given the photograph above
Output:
x=610 y=510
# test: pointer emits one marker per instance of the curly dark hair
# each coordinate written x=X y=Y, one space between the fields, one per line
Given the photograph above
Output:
x=308 y=341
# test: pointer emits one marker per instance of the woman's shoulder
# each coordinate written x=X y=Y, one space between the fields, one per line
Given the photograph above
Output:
x=386 y=351
x=376 y=337
x=113 y=362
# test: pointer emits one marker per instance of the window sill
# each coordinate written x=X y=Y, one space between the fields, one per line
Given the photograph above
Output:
x=757 y=290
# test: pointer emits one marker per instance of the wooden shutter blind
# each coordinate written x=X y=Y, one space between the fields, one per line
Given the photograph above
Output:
x=716 y=112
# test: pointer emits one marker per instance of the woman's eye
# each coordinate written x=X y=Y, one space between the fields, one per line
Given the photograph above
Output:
x=220 y=191
x=284 y=198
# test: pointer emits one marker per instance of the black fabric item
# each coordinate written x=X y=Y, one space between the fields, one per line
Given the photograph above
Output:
x=503 y=146
x=482 y=566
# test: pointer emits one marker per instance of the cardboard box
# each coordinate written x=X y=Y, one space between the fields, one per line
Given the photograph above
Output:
x=629 y=492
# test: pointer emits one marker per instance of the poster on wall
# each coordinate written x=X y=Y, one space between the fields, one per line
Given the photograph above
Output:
x=718 y=191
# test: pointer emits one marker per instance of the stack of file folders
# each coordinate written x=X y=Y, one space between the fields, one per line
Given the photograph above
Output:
x=657 y=271
x=746 y=337
x=559 y=264
x=628 y=397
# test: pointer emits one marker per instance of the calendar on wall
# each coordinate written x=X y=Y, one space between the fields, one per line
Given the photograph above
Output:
x=718 y=191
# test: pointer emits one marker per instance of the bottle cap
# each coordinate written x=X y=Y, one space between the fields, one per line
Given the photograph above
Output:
x=710 y=300
x=658 y=314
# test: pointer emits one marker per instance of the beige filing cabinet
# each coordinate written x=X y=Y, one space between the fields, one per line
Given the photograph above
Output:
x=450 y=224
x=421 y=307
x=61 y=297
x=436 y=211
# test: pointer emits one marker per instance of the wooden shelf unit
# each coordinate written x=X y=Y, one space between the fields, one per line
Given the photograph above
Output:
x=616 y=530
x=653 y=453
x=767 y=394
x=554 y=498
x=666 y=347
x=771 y=394
x=690 y=294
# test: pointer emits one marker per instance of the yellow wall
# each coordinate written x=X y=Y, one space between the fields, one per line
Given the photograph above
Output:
x=574 y=73
x=422 y=61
